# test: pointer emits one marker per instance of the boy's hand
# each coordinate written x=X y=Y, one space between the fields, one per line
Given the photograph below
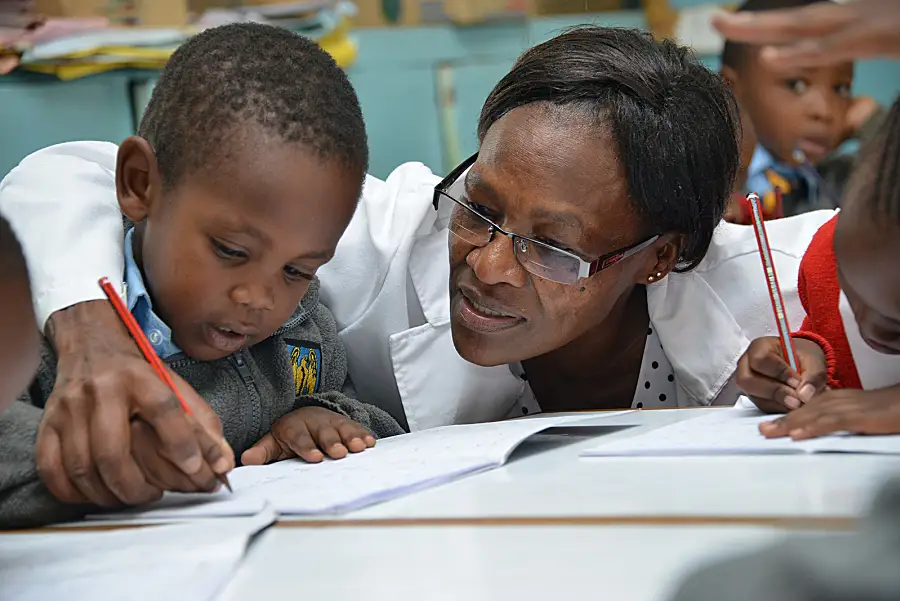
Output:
x=764 y=375
x=84 y=443
x=856 y=411
x=307 y=433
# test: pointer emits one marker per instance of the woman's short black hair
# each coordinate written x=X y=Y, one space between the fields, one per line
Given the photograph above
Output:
x=674 y=121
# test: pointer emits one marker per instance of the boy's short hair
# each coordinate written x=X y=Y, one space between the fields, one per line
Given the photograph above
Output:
x=734 y=53
x=226 y=77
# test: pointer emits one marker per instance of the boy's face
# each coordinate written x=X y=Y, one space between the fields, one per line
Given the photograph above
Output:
x=19 y=352
x=229 y=252
x=866 y=249
x=803 y=109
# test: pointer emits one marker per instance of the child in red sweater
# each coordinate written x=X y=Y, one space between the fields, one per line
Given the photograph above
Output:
x=857 y=252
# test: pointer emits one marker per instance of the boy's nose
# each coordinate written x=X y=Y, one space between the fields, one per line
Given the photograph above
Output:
x=822 y=105
x=258 y=297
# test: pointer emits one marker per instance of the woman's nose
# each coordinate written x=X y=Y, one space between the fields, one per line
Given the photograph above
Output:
x=496 y=263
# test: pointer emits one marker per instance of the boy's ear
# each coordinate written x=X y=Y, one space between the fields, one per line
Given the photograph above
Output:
x=138 y=182
x=730 y=76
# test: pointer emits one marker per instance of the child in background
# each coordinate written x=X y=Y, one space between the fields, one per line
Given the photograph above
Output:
x=852 y=264
x=21 y=343
x=250 y=161
x=800 y=117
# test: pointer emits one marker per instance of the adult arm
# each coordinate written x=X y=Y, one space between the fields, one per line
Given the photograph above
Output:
x=819 y=34
x=61 y=202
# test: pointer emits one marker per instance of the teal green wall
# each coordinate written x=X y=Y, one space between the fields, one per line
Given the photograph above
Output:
x=421 y=91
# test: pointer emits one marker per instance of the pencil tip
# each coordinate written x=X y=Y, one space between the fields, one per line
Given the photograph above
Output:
x=224 y=480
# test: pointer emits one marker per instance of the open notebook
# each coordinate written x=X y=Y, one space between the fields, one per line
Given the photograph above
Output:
x=735 y=431
x=394 y=467
x=182 y=562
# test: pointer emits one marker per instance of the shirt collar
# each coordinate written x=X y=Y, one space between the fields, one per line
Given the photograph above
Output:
x=138 y=298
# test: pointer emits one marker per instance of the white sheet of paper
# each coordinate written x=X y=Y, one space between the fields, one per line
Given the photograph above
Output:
x=394 y=467
x=183 y=562
x=735 y=431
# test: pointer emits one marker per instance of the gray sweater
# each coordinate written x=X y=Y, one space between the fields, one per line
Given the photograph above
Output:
x=858 y=566
x=248 y=390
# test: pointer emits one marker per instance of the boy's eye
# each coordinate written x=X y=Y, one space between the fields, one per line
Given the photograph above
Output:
x=227 y=252
x=843 y=90
x=797 y=86
x=292 y=273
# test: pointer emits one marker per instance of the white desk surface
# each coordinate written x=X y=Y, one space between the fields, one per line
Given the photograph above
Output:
x=552 y=525
x=548 y=480
x=475 y=563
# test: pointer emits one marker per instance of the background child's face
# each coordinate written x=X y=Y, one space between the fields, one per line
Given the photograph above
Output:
x=803 y=109
x=230 y=251
x=20 y=349
x=867 y=249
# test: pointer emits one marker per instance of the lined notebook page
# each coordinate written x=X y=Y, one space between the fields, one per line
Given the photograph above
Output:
x=735 y=431
x=187 y=562
x=395 y=466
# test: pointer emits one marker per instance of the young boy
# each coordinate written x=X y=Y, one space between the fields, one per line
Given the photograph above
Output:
x=800 y=117
x=849 y=284
x=249 y=164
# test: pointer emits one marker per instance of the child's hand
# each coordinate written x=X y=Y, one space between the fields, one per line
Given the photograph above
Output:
x=307 y=433
x=857 y=411
x=764 y=375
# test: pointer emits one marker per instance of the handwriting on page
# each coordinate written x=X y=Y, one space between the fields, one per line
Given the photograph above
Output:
x=395 y=466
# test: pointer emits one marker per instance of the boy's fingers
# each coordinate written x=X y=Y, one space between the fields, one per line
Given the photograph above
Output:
x=159 y=407
x=354 y=436
x=207 y=428
x=293 y=432
x=111 y=448
x=329 y=440
x=771 y=364
x=159 y=471
x=266 y=450
x=51 y=469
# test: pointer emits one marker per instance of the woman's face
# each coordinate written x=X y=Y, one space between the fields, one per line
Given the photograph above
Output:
x=547 y=173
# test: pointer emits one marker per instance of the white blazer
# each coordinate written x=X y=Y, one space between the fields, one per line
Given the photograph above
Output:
x=388 y=286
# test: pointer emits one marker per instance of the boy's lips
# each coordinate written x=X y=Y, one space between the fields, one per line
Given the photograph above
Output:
x=815 y=149
x=226 y=339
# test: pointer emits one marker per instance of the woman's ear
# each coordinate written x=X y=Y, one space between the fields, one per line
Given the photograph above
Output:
x=666 y=251
x=138 y=181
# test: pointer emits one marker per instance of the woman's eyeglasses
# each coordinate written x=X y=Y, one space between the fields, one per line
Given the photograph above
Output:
x=538 y=258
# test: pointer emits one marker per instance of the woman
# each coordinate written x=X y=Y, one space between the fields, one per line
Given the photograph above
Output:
x=605 y=162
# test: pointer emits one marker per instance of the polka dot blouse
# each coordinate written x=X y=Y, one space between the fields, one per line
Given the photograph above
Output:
x=655 y=386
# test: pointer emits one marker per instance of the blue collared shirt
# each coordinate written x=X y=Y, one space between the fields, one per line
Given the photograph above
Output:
x=760 y=179
x=140 y=305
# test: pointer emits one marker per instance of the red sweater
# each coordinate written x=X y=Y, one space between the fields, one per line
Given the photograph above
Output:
x=820 y=294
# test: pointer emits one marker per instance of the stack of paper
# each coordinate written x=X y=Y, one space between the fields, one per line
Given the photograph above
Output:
x=190 y=562
x=394 y=467
x=736 y=432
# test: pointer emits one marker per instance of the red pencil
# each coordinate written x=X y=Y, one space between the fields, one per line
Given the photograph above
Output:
x=765 y=254
x=147 y=350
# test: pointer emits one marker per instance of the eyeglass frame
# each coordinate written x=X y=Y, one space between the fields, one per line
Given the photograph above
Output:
x=585 y=268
